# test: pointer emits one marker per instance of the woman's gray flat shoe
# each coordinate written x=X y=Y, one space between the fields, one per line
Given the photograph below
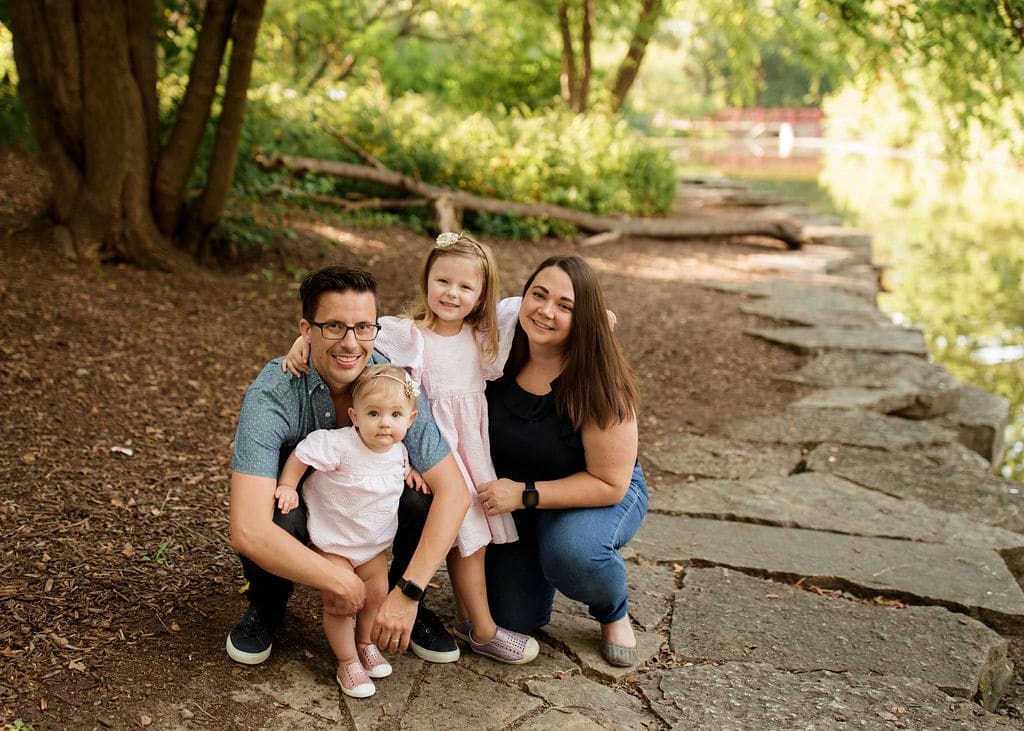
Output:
x=617 y=655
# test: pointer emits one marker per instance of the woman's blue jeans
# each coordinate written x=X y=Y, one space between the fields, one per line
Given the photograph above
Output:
x=575 y=551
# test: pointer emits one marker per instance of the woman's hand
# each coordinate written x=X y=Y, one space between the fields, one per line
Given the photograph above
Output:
x=295 y=362
x=500 y=496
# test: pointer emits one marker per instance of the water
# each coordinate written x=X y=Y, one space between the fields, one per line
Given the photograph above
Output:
x=952 y=244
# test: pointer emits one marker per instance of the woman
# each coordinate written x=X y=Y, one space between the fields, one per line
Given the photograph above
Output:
x=563 y=433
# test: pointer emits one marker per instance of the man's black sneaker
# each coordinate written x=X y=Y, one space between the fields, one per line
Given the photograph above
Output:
x=251 y=640
x=430 y=640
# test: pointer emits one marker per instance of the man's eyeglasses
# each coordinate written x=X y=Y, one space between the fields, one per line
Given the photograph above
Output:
x=339 y=330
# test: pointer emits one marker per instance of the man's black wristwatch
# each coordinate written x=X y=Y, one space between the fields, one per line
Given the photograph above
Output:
x=530 y=496
x=410 y=589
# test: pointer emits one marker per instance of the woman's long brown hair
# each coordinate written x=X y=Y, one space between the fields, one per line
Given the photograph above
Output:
x=597 y=384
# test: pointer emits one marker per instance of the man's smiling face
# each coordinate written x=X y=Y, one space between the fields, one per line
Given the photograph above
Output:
x=339 y=362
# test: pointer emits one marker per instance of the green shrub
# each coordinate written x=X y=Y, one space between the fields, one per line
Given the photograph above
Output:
x=597 y=164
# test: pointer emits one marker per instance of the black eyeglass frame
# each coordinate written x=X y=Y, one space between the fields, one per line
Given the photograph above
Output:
x=375 y=325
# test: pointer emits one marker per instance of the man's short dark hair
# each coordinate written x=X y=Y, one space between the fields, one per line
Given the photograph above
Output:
x=334 y=278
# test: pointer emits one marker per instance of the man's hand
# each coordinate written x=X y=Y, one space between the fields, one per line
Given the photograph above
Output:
x=392 y=626
x=346 y=603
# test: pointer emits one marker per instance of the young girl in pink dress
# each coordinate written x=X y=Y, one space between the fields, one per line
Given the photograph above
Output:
x=451 y=341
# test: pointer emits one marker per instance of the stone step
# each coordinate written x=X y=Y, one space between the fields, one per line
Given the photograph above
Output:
x=740 y=696
x=823 y=502
x=725 y=616
x=975 y=581
x=959 y=486
x=819 y=339
x=816 y=306
x=936 y=391
x=815 y=426
x=708 y=456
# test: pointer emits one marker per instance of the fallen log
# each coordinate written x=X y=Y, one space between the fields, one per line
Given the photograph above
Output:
x=785 y=229
x=349 y=205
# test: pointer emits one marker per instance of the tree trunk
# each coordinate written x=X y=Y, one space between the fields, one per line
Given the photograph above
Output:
x=787 y=230
x=210 y=205
x=80 y=85
x=88 y=80
x=587 y=61
x=568 y=77
x=179 y=155
x=651 y=13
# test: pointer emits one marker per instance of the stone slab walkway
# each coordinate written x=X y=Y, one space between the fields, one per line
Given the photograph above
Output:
x=849 y=563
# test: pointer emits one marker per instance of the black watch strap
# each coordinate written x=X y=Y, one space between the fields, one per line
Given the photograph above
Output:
x=530 y=496
x=410 y=589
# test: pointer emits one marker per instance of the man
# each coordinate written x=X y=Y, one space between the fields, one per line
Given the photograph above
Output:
x=339 y=321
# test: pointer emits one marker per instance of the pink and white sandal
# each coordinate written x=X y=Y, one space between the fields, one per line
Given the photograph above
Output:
x=373 y=662
x=506 y=646
x=354 y=681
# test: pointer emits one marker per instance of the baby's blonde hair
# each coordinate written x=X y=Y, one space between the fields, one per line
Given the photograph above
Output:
x=385 y=378
x=484 y=317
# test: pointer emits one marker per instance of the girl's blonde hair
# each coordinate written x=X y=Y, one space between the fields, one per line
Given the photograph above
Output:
x=484 y=317
x=387 y=378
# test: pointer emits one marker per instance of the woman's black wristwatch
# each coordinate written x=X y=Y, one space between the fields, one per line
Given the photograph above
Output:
x=410 y=589
x=530 y=496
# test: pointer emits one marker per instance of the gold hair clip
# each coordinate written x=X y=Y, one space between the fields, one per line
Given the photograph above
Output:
x=446 y=239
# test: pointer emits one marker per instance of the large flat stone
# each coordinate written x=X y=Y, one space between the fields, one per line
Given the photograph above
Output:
x=456 y=698
x=798 y=262
x=861 y=283
x=742 y=696
x=880 y=400
x=818 y=306
x=608 y=708
x=965 y=578
x=721 y=615
x=819 y=339
x=651 y=588
x=823 y=502
x=935 y=390
x=952 y=487
x=707 y=456
x=981 y=418
x=814 y=426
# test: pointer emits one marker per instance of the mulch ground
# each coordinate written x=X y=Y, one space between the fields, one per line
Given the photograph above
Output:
x=120 y=390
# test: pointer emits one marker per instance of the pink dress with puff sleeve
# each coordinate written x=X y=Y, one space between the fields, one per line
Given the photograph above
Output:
x=453 y=376
x=352 y=497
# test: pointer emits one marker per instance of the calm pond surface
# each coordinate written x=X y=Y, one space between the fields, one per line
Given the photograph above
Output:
x=952 y=245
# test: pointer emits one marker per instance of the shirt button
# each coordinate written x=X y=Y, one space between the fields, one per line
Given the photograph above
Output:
x=327 y=413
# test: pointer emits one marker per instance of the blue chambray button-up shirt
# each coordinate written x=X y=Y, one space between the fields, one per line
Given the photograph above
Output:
x=279 y=410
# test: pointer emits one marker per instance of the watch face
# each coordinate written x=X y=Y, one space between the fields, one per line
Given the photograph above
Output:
x=530 y=498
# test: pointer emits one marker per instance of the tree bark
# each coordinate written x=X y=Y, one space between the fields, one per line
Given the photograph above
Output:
x=586 y=61
x=88 y=78
x=651 y=12
x=179 y=154
x=784 y=229
x=210 y=205
x=568 y=78
x=81 y=91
